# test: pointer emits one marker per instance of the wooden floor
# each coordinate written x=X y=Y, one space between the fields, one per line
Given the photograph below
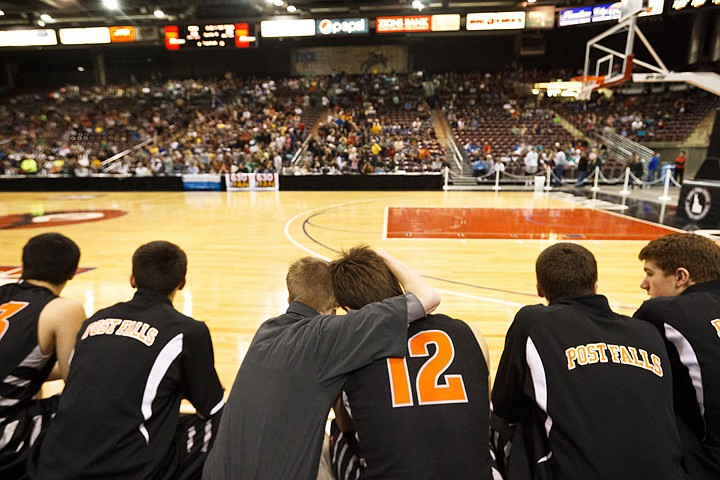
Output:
x=240 y=244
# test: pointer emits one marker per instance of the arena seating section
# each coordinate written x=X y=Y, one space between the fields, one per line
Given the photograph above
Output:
x=325 y=125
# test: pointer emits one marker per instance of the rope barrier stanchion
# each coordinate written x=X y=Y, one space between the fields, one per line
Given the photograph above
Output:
x=445 y=187
x=497 y=186
x=665 y=197
x=595 y=187
x=548 y=185
x=625 y=190
x=610 y=181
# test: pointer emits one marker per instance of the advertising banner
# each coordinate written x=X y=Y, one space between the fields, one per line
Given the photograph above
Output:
x=124 y=34
x=342 y=26
x=352 y=60
x=27 y=38
x=201 y=181
x=602 y=13
x=540 y=17
x=495 y=21
x=445 y=23
x=287 y=28
x=84 y=36
x=403 y=24
x=238 y=182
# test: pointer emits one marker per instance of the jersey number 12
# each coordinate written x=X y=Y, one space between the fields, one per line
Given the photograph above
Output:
x=7 y=310
x=431 y=388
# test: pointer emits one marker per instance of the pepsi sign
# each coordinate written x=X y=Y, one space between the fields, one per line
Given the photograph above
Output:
x=342 y=26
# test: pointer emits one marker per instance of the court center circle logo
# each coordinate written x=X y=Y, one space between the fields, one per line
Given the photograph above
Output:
x=57 y=218
x=697 y=203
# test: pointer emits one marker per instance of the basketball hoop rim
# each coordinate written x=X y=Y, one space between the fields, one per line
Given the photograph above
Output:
x=589 y=79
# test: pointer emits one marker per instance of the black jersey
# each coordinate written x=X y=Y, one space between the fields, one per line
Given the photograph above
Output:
x=118 y=413
x=424 y=416
x=23 y=367
x=592 y=390
x=690 y=324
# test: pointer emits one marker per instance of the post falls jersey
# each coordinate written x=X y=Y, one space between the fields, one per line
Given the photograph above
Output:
x=132 y=365
x=690 y=325
x=23 y=366
x=592 y=392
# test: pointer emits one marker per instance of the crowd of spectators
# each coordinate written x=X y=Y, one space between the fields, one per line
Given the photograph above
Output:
x=381 y=123
x=668 y=116
x=222 y=125
x=359 y=139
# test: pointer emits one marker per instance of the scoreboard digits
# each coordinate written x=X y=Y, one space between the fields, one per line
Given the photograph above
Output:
x=211 y=35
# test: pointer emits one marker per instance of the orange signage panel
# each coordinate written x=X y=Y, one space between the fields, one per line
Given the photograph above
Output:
x=122 y=34
x=415 y=23
x=172 y=38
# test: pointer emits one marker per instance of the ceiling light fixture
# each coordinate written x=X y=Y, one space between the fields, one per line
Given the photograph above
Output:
x=46 y=18
x=291 y=8
x=159 y=13
x=111 y=4
x=278 y=3
x=418 y=4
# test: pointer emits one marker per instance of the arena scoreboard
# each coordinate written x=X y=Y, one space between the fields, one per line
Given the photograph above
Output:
x=209 y=35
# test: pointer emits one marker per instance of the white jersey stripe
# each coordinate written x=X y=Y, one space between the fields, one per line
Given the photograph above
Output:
x=167 y=356
x=7 y=433
x=190 y=438
x=15 y=381
x=35 y=359
x=8 y=402
x=539 y=379
x=690 y=360
x=207 y=437
x=36 y=428
x=217 y=407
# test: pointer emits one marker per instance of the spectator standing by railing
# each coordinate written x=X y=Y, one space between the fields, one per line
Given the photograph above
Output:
x=559 y=168
x=680 y=166
x=652 y=170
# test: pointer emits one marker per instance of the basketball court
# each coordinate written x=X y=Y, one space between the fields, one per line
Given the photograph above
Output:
x=477 y=248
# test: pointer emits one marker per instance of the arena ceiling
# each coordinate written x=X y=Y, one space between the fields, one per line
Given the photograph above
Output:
x=26 y=13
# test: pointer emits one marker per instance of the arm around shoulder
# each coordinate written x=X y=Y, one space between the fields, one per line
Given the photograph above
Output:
x=413 y=282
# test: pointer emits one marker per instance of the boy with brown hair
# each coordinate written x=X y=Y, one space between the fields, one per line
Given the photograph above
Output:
x=388 y=408
x=587 y=390
x=682 y=275
x=296 y=365
x=37 y=332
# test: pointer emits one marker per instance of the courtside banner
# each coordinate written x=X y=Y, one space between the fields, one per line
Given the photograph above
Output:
x=239 y=182
x=202 y=181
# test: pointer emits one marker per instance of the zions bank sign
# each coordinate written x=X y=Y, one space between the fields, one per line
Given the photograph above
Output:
x=343 y=26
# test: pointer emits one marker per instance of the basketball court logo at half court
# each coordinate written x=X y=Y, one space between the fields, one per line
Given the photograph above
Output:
x=53 y=219
x=697 y=203
x=13 y=272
